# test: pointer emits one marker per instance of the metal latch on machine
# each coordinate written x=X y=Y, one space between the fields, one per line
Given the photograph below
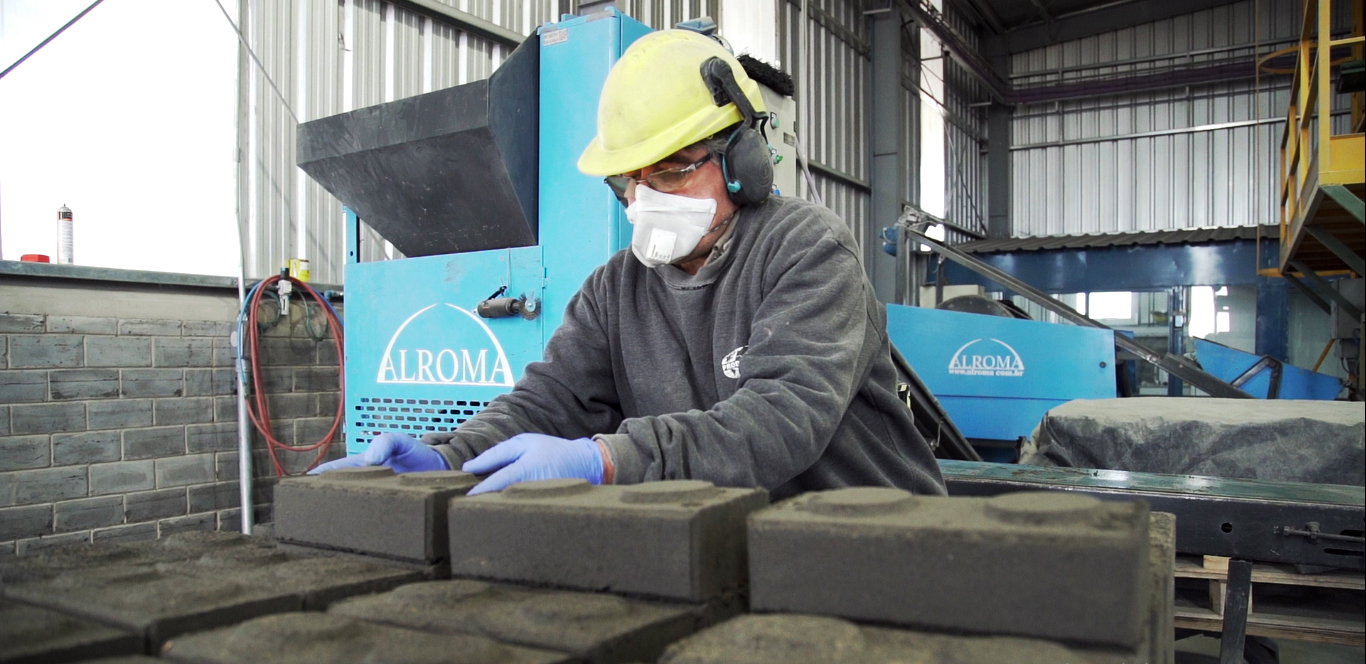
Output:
x=1311 y=531
x=496 y=306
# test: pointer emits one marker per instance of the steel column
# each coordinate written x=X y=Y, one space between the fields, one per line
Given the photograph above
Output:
x=886 y=133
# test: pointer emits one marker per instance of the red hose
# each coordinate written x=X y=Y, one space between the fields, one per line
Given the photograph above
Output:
x=257 y=406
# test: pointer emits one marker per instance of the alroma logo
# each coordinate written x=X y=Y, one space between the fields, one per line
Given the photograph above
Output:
x=986 y=357
x=482 y=365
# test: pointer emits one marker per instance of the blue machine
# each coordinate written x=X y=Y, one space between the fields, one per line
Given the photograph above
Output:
x=419 y=358
x=1264 y=373
x=997 y=376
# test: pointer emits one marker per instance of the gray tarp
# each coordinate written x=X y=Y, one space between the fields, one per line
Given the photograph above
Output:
x=1322 y=442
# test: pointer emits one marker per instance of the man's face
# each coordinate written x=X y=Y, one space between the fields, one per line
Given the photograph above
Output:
x=705 y=182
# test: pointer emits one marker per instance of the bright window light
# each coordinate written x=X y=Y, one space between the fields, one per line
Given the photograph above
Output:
x=1202 y=323
x=1111 y=306
x=1221 y=322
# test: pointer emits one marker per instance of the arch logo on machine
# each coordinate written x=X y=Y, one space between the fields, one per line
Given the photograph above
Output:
x=470 y=354
x=986 y=357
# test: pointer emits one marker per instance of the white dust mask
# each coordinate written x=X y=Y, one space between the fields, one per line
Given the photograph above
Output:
x=667 y=227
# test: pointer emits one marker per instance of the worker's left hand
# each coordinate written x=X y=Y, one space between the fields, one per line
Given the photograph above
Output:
x=534 y=456
x=403 y=453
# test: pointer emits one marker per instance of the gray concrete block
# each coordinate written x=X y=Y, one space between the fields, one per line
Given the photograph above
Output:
x=207 y=328
x=22 y=323
x=214 y=497
x=133 y=532
x=226 y=466
x=186 y=410
x=82 y=325
x=153 y=505
x=4 y=420
x=118 y=351
x=39 y=545
x=46 y=351
x=84 y=384
x=69 y=449
x=6 y=549
x=153 y=442
x=982 y=565
x=682 y=539
x=144 y=327
x=318 y=581
x=309 y=430
x=22 y=522
x=120 y=414
x=224 y=353
x=44 y=485
x=225 y=409
x=29 y=634
x=327 y=354
x=313 y=637
x=47 y=418
x=230 y=520
x=210 y=382
x=182 y=352
x=316 y=379
x=89 y=513
x=121 y=477
x=22 y=386
x=153 y=383
x=370 y=510
x=288 y=352
x=327 y=403
x=184 y=524
x=597 y=628
x=22 y=452
x=217 y=437
x=291 y=406
x=275 y=380
x=181 y=471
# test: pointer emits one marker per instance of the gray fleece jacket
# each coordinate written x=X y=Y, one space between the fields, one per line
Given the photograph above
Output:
x=771 y=367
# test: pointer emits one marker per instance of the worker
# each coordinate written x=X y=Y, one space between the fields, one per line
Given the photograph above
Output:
x=737 y=341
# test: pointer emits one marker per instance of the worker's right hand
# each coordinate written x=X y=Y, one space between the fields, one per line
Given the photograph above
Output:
x=404 y=454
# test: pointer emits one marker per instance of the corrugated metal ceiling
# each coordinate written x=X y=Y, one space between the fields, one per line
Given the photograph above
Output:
x=1182 y=236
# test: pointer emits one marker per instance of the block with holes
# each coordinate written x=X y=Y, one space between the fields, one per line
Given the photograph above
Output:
x=371 y=511
x=681 y=540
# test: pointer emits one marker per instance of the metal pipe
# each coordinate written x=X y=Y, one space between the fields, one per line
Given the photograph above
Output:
x=244 y=479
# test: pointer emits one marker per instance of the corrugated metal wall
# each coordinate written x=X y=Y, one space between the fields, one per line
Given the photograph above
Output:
x=965 y=127
x=1204 y=155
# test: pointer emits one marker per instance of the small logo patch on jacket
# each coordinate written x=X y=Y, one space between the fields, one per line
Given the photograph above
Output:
x=730 y=364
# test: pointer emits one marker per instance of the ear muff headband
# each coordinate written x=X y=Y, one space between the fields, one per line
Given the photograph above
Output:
x=745 y=164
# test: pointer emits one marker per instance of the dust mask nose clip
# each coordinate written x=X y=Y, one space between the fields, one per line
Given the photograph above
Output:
x=667 y=227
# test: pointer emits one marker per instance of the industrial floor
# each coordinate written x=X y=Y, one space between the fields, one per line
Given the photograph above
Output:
x=1205 y=650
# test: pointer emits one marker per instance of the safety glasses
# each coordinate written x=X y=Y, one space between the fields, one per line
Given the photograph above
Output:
x=665 y=181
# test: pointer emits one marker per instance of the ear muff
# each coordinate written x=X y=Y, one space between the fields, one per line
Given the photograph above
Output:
x=746 y=164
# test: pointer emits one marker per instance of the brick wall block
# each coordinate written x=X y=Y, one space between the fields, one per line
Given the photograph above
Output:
x=327 y=354
x=210 y=382
x=182 y=524
x=22 y=386
x=288 y=352
x=275 y=380
x=121 y=477
x=211 y=497
x=22 y=323
x=182 y=471
x=192 y=410
x=146 y=327
x=20 y=522
x=327 y=403
x=4 y=351
x=290 y=406
x=153 y=382
x=230 y=520
x=121 y=414
x=226 y=466
x=23 y=452
x=218 y=437
x=154 y=505
x=118 y=352
x=224 y=355
x=183 y=352
x=31 y=547
x=153 y=442
x=310 y=430
x=47 y=418
x=84 y=384
x=69 y=449
x=89 y=513
x=4 y=420
x=46 y=351
x=207 y=328
x=46 y=485
x=137 y=532
x=82 y=325
x=316 y=379
x=225 y=409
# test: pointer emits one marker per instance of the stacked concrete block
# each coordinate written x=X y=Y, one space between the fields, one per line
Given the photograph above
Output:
x=317 y=637
x=30 y=635
x=372 y=511
x=597 y=628
x=982 y=565
x=679 y=540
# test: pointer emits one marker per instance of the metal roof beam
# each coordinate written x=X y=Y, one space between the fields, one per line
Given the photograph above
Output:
x=1082 y=24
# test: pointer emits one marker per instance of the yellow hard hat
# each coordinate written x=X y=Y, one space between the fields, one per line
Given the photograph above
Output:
x=655 y=102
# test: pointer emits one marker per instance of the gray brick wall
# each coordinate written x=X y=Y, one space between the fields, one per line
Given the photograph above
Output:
x=116 y=429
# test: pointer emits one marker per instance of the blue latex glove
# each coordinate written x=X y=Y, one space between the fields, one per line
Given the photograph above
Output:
x=535 y=456
x=404 y=454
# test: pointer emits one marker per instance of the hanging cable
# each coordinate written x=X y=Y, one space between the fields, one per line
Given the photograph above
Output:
x=51 y=37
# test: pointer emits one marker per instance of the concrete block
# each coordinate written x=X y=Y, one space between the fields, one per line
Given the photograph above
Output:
x=153 y=442
x=982 y=565
x=318 y=581
x=22 y=522
x=214 y=497
x=275 y=380
x=210 y=382
x=21 y=386
x=22 y=452
x=316 y=379
x=4 y=420
x=327 y=403
x=226 y=466
x=133 y=532
x=36 y=546
x=6 y=549
x=310 y=430
x=224 y=353
x=314 y=637
x=47 y=418
x=230 y=520
x=188 y=410
x=153 y=505
x=120 y=414
x=121 y=477
x=327 y=354
x=218 y=437
x=82 y=325
x=370 y=510
x=288 y=352
x=181 y=471
x=89 y=513
x=70 y=449
x=30 y=634
x=291 y=406
x=225 y=409
x=44 y=485
x=46 y=351
x=597 y=628
x=682 y=539
x=84 y=384
x=207 y=328
x=118 y=351
x=144 y=327
x=184 y=524
x=182 y=352
x=153 y=383
x=21 y=323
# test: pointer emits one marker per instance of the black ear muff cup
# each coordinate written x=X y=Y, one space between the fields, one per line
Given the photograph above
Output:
x=747 y=163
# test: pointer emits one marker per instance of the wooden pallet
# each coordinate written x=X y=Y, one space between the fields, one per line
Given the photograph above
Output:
x=1274 y=621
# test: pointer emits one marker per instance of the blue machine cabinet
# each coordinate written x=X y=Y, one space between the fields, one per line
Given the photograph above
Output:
x=418 y=357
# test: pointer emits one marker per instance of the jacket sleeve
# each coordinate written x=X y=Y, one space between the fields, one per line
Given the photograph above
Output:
x=811 y=346
x=570 y=394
